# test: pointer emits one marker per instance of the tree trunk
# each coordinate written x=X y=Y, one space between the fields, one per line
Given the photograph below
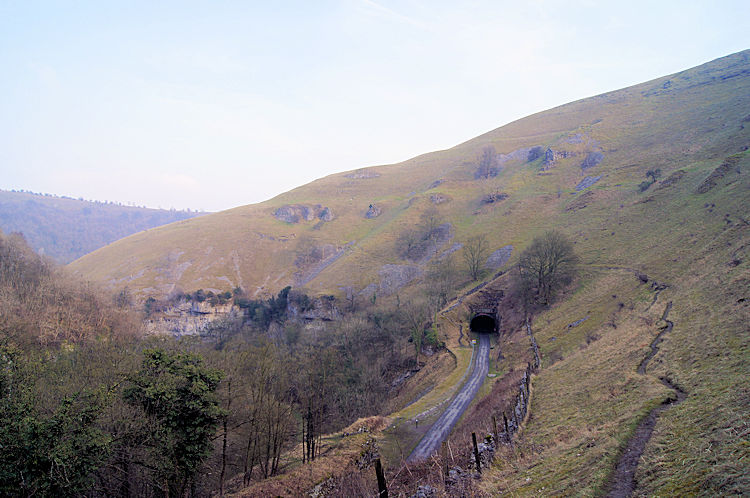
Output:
x=224 y=439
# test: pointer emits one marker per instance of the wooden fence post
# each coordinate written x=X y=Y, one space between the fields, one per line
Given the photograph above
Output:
x=382 y=487
x=444 y=455
x=494 y=426
x=476 y=452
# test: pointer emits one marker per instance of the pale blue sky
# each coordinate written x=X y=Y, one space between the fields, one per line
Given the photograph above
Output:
x=218 y=104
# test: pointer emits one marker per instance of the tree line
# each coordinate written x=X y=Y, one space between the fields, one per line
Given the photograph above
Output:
x=91 y=407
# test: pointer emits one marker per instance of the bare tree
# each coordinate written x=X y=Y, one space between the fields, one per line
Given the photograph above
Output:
x=416 y=242
x=487 y=162
x=351 y=297
x=475 y=252
x=546 y=265
x=417 y=317
x=431 y=222
x=407 y=243
x=441 y=282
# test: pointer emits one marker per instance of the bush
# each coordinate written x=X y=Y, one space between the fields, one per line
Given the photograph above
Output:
x=535 y=153
x=178 y=391
x=148 y=307
x=653 y=174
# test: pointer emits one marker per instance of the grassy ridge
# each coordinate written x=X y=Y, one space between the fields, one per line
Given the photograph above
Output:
x=588 y=397
x=692 y=124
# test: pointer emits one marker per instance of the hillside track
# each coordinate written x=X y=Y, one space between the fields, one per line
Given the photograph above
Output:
x=622 y=483
x=439 y=431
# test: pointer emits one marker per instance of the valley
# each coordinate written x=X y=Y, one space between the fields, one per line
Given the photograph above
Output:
x=598 y=254
x=65 y=229
x=439 y=431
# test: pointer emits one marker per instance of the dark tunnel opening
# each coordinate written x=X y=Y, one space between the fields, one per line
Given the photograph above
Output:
x=483 y=324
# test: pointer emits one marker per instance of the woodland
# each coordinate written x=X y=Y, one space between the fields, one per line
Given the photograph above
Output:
x=92 y=406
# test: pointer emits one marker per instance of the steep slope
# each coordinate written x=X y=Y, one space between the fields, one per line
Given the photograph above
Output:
x=65 y=229
x=580 y=168
x=690 y=121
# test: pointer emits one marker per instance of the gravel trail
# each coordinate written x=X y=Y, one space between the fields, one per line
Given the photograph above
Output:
x=439 y=431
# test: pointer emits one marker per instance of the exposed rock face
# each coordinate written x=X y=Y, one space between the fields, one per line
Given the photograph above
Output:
x=578 y=322
x=516 y=155
x=294 y=213
x=373 y=211
x=671 y=179
x=439 y=198
x=189 y=318
x=729 y=165
x=321 y=309
x=435 y=184
x=326 y=214
x=592 y=159
x=393 y=277
x=362 y=174
x=369 y=290
x=582 y=201
x=549 y=157
x=498 y=258
x=309 y=255
x=494 y=197
x=329 y=255
x=455 y=247
x=426 y=249
x=442 y=235
x=575 y=139
x=587 y=182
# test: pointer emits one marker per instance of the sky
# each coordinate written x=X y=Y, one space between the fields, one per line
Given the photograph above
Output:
x=213 y=105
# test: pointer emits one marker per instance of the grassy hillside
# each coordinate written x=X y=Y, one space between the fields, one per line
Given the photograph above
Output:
x=65 y=229
x=689 y=233
x=689 y=121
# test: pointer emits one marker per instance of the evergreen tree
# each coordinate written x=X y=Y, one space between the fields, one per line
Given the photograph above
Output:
x=178 y=390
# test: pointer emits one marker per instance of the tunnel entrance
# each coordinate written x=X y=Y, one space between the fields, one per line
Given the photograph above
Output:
x=483 y=324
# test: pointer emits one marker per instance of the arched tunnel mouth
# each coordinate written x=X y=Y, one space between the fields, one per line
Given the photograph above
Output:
x=483 y=324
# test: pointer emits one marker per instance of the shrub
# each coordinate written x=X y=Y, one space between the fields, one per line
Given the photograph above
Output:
x=535 y=153
x=643 y=186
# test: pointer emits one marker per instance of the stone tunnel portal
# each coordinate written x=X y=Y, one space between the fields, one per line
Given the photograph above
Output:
x=483 y=323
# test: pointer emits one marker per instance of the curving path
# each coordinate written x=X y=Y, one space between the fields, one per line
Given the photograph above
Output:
x=622 y=482
x=430 y=443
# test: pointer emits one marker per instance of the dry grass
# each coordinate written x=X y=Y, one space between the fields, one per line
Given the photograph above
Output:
x=340 y=456
x=588 y=397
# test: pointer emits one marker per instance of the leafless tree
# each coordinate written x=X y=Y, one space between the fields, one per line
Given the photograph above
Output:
x=417 y=316
x=547 y=264
x=441 y=282
x=475 y=252
x=487 y=162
